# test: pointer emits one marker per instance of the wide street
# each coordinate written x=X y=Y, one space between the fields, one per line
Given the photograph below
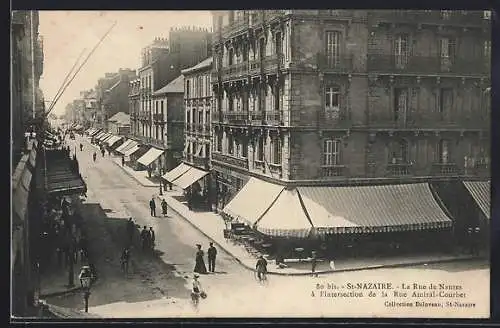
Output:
x=159 y=286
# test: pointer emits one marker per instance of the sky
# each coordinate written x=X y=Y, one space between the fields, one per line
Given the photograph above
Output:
x=67 y=33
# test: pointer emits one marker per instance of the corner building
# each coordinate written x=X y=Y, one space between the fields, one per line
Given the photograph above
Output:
x=351 y=98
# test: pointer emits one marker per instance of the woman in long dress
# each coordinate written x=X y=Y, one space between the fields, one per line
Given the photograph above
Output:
x=199 y=262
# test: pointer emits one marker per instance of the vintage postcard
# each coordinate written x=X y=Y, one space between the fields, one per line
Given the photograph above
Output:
x=250 y=163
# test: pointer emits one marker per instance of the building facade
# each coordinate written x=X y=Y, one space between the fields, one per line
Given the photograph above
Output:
x=134 y=105
x=119 y=124
x=332 y=96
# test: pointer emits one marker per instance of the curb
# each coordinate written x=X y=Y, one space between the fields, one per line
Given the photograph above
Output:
x=61 y=293
x=371 y=267
x=132 y=176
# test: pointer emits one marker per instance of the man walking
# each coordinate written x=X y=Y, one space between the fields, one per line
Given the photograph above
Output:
x=212 y=254
x=152 y=238
x=152 y=206
x=130 y=230
x=123 y=160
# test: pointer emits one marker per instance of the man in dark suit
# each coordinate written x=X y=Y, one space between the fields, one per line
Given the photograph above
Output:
x=212 y=254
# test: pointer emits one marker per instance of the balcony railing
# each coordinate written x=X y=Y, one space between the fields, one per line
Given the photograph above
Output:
x=227 y=159
x=335 y=64
x=445 y=169
x=255 y=67
x=235 y=117
x=272 y=63
x=333 y=171
x=452 y=17
x=429 y=120
x=159 y=117
x=399 y=169
x=256 y=118
x=334 y=119
x=235 y=71
x=275 y=169
x=427 y=65
x=200 y=161
x=273 y=117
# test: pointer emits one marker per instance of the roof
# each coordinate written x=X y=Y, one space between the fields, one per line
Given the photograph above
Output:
x=207 y=63
x=114 y=85
x=481 y=192
x=176 y=86
x=120 y=117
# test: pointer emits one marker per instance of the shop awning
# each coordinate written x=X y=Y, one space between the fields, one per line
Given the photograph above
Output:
x=106 y=137
x=285 y=218
x=150 y=156
x=132 y=150
x=252 y=200
x=176 y=172
x=99 y=135
x=112 y=140
x=123 y=145
x=130 y=145
x=61 y=177
x=95 y=133
x=367 y=209
x=481 y=192
x=191 y=176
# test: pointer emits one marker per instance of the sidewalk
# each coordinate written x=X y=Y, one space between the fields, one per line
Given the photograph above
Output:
x=212 y=226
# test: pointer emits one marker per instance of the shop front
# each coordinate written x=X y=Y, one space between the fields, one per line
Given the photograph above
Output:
x=228 y=183
x=152 y=161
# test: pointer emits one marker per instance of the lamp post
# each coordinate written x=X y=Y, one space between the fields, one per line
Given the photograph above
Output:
x=85 y=282
x=161 y=191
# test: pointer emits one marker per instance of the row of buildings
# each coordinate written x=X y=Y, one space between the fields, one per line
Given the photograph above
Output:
x=323 y=102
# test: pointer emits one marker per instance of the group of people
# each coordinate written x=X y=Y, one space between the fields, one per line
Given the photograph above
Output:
x=147 y=239
x=200 y=262
x=152 y=207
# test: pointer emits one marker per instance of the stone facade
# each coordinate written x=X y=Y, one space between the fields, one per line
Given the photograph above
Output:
x=335 y=96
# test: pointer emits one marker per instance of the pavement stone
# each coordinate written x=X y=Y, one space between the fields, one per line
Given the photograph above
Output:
x=212 y=226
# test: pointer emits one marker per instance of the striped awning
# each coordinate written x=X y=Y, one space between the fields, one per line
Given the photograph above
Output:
x=367 y=209
x=123 y=146
x=285 y=217
x=95 y=132
x=251 y=202
x=99 y=135
x=106 y=137
x=176 y=172
x=60 y=177
x=150 y=156
x=132 y=150
x=112 y=140
x=481 y=192
x=188 y=178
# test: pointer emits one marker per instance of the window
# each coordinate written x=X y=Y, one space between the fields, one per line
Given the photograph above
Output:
x=399 y=152
x=276 y=150
x=487 y=49
x=400 y=103
x=238 y=148
x=219 y=141
x=278 y=45
x=262 y=48
x=260 y=149
x=447 y=53
x=230 y=56
x=277 y=95
x=401 y=51
x=161 y=108
x=445 y=100
x=230 y=144
x=443 y=151
x=244 y=148
x=333 y=48
x=331 y=152
x=187 y=89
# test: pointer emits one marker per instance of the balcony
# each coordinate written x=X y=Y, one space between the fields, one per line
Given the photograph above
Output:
x=429 y=120
x=337 y=64
x=256 y=118
x=332 y=119
x=333 y=171
x=273 y=63
x=444 y=169
x=228 y=159
x=206 y=129
x=200 y=161
x=235 y=71
x=235 y=27
x=238 y=118
x=216 y=117
x=159 y=118
x=398 y=169
x=255 y=67
x=275 y=169
x=427 y=65
x=273 y=117
x=429 y=17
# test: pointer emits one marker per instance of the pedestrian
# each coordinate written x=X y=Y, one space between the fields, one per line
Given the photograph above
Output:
x=212 y=254
x=94 y=156
x=313 y=264
x=164 y=207
x=124 y=259
x=130 y=230
x=123 y=160
x=152 y=238
x=81 y=147
x=152 y=206
x=199 y=262
x=144 y=238
x=103 y=152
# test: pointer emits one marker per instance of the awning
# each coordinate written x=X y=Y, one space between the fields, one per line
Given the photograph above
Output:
x=112 y=140
x=123 y=145
x=130 y=145
x=285 y=218
x=481 y=192
x=99 y=135
x=61 y=177
x=190 y=177
x=95 y=133
x=368 y=209
x=176 y=172
x=132 y=150
x=252 y=200
x=105 y=138
x=150 y=156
